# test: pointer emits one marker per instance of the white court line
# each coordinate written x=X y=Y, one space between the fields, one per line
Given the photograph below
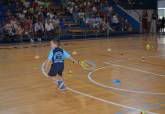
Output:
x=137 y=58
x=119 y=89
x=153 y=56
x=134 y=69
x=96 y=98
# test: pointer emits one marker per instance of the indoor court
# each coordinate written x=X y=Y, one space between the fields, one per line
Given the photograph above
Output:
x=128 y=77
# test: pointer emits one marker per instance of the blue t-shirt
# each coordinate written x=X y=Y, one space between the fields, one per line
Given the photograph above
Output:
x=64 y=56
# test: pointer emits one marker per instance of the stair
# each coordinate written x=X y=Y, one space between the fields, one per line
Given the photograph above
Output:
x=122 y=12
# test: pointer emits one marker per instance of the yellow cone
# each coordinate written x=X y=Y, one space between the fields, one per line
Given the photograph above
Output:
x=70 y=72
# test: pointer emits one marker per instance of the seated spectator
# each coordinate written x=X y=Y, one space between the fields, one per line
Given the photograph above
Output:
x=28 y=25
x=19 y=33
x=115 y=22
x=8 y=28
x=8 y=13
x=50 y=15
x=49 y=28
x=26 y=3
x=106 y=27
x=109 y=11
x=10 y=31
x=39 y=30
x=28 y=29
x=56 y=23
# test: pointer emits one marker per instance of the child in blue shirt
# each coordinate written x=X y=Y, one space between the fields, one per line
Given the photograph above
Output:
x=56 y=57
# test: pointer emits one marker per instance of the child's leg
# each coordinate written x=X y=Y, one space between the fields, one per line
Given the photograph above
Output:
x=60 y=82
x=59 y=77
x=56 y=75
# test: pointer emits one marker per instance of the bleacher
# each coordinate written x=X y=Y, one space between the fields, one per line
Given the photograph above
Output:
x=70 y=18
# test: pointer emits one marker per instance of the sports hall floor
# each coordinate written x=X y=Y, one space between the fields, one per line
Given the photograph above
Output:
x=25 y=90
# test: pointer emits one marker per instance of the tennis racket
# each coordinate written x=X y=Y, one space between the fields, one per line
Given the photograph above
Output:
x=87 y=65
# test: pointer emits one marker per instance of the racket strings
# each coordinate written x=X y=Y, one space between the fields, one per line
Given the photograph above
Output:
x=87 y=65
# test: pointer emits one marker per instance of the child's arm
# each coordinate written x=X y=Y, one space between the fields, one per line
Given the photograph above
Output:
x=68 y=56
x=73 y=60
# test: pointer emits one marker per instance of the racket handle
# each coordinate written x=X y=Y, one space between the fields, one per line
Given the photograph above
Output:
x=75 y=62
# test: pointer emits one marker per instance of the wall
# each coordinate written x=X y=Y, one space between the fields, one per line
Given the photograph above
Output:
x=161 y=8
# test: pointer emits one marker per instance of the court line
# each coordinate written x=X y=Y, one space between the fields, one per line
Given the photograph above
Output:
x=96 y=98
x=135 y=69
x=138 y=58
x=90 y=74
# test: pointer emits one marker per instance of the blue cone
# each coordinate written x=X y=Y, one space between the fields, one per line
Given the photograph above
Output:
x=116 y=82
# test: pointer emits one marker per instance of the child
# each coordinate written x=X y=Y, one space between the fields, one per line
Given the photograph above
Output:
x=56 y=57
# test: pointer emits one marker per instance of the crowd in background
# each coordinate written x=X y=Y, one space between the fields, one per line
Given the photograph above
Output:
x=161 y=24
x=38 y=17
x=152 y=23
x=97 y=14
x=128 y=2
x=148 y=21
x=25 y=17
x=137 y=4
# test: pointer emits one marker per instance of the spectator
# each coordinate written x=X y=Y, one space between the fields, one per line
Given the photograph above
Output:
x=19 y=32
x=106 y=27
x=115 y=22
x=109 y=11
x=39 y=30
x=8 y=28
x=28 y=28
x=153 y=23
x=10 y=31
x=56 y=23
x=163 y=24
x=49 y=26
x=145 y=21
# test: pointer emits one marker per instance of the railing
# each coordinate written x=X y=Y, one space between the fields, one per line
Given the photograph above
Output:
x=61 y=35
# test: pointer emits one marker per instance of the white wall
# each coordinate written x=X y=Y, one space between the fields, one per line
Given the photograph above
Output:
x=161 y=8
x=138 y=14
x=161 y=3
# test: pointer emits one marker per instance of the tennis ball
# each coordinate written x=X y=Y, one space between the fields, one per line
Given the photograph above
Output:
x=82 y=62
x=36 y=57
x=74 y=53
x=148 y=47
x=109 y=49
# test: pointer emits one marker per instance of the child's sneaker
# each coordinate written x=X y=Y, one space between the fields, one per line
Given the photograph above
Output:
x=60 y=85
x=58 y=82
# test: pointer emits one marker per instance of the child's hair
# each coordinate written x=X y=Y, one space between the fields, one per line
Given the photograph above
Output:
x=56 y=42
